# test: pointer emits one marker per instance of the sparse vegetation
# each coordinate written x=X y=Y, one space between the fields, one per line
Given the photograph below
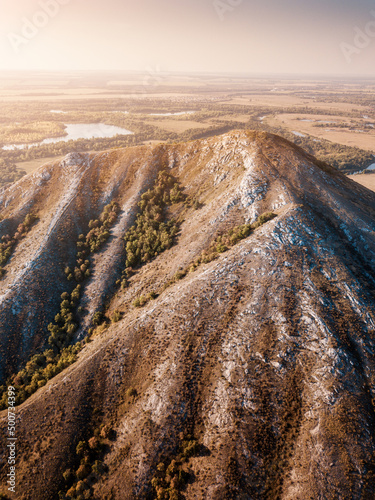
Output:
x=192 y=202
x=98 y=318
x=93 y=241
x=172 y=475
x=219 y=245
x=89 y=454
x=9 y=243
x=222 y=243
x=142 y=300
x=42 y=367
x=61 y=332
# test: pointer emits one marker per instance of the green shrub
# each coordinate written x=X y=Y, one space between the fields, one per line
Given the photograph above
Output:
x=140 y=301
x=83 y=471
x=81 y=448
x=98 y=318
x=179 y=275
x=124 y=284
x=116 y=316
x=69 y=476
x=190 y=448
x=267 y=216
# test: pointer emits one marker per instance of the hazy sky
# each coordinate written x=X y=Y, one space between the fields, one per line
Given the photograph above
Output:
x=248 y=36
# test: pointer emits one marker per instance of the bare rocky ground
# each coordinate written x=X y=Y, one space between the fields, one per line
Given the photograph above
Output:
x=265 y=356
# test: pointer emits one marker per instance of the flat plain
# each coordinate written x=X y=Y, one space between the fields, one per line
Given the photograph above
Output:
x=333 y=120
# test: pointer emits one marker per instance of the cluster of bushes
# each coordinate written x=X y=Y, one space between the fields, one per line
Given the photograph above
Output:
x=79 y=483
x=169 y=480
x=125 y=275
x=142 y=300
x=99 y=233
x=90 y=243
x=9 y=243
x=219 y=245
x=42 y=367
x=222 y=243
x=152 y=233
x=38 y=370
x=65 y=325
x=61 y=333
x=116 y=316
x=192 y=203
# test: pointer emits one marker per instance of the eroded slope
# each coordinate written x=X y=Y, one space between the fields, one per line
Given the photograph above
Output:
x=264 y=357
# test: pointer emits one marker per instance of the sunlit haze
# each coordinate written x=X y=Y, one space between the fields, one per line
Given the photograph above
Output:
x=314 y=37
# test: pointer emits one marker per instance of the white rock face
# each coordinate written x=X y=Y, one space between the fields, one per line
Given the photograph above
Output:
x=265 y=355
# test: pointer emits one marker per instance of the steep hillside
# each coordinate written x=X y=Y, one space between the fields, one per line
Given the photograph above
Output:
x=234 y=360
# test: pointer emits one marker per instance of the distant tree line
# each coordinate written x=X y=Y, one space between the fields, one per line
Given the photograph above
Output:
x=9 y=172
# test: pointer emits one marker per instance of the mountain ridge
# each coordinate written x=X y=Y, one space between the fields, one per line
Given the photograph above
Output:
x=262 y=357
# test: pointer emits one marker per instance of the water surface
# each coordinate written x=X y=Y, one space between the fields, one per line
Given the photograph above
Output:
x=77 y=131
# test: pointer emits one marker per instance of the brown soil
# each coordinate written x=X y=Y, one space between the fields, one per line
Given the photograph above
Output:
x=265 y=356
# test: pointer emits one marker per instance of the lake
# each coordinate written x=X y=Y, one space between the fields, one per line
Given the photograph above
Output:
x=77 y=131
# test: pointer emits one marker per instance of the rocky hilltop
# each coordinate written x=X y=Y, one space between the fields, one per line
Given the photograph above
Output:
x=234 y=359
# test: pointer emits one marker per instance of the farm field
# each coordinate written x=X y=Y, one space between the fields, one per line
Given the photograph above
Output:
x=30 y=166
x=333 y=120
x=367 y=180
x=358 y=132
